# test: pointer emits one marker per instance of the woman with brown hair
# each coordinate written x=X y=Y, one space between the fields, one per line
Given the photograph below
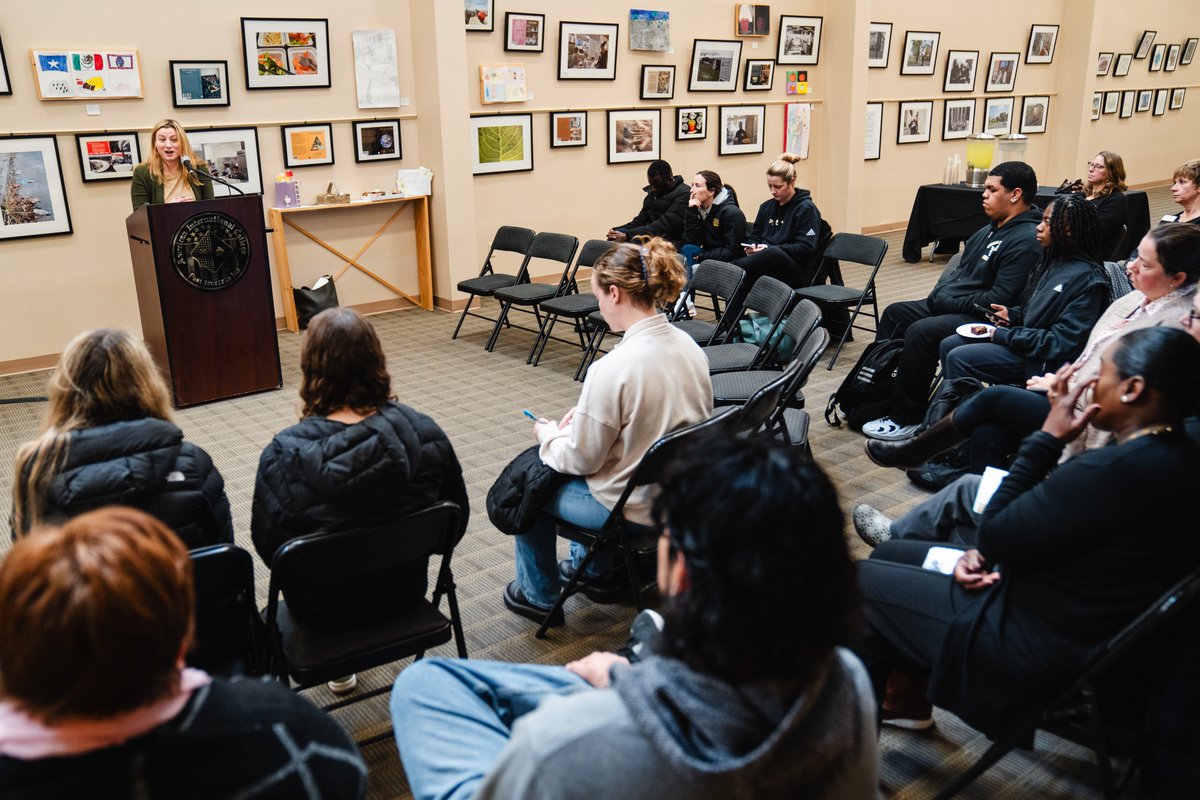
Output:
x=163 y=178
x=1105 y=188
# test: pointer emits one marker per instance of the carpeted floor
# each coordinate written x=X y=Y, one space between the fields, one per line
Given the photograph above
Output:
x=477 y=397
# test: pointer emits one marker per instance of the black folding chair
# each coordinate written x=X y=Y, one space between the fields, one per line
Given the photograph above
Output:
x=790 y=421
x=557 y=247
x=740 y=356
x=575 y=306
x=735 y=388
x=508 y=239
x=230 y=636
x=722 y=284
x=857 y=249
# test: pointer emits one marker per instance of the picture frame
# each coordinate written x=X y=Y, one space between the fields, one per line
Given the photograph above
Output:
x=307 y=145
x=90 y=75
x=1112 y=102
x=1002 y=72
x=479 y=15
x=1145 y=100
x=1042 y=41
x=5 y=83
x=691 y=122
x=501 y=143
x=742 y=130
x=1172 y=58
x=525 y=33
x=1128 y=101
x=286 y=53
x=1143 y=48
x=1124 y=62
x=997 y=118
x=233 y=153
x=879 y=45
x=41 y=198
x=199 y=83
x=1161 y=96
x=760 y=74
x=568 y=128
x=587 y=51
x=1035 y=112
x=750 y=19
x=795 y=81
x=502 y=83
x=958 y=118
x=799 y=40
x=377 y=140
x=1097 y=104
x=1156 y=58
x=634 y=134
x=961 y=67
x=658 y=82
x=107 y=156
x=1189 y=50
x=797 y=128
x=715 y=65
x=919 y=56
x=1177 y=97
x=649 y=30
x=1104 y=63
x=874 y=132
x=915 y=121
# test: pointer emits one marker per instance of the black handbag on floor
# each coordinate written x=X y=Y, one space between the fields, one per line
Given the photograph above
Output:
x=310 y=302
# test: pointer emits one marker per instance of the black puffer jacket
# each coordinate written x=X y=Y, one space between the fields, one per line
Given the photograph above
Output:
x=661 y=214
x=144 y=463
x=720 y=234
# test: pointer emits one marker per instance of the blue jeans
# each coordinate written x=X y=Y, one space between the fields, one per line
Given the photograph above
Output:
x=537 y=564
x=453 y=717
x=689 y=252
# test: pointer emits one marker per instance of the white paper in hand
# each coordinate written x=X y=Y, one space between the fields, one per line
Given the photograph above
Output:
x=988 y=484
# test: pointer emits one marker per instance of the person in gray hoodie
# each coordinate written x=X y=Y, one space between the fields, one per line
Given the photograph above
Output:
x=748 y=694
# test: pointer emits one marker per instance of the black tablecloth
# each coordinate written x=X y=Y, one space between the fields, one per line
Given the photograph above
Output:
x=950 y=214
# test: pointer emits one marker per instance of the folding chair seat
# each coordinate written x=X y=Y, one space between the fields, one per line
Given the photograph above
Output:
x=557 y=247
x=857 y=249
x=509 y=239
x=722 y=283
x=735 y=388
x=790 y=422
x=735 y=356
x=230 y=636
x=575 y=306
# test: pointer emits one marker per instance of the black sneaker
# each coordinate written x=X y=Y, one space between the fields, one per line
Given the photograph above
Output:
x=516 y=602
x=605 y=590
x=645 y=634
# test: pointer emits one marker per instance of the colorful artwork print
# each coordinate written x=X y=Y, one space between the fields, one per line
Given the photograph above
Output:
x=32 y=199
x=298 y=57
x=286 y=53
x=649 y=30
x=73 y=75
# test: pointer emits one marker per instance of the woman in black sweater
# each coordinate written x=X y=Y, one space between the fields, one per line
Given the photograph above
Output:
x=1105 y=188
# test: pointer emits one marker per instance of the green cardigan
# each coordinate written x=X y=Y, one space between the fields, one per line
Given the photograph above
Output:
x=147 y=190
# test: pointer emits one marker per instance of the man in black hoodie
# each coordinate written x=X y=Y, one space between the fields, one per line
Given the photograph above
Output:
x=994 y=268
x=662 y=209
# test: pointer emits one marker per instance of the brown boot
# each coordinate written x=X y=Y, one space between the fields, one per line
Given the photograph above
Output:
x=909 y=453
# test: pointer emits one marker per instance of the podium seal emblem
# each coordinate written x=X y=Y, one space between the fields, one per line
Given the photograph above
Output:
x=210 y=250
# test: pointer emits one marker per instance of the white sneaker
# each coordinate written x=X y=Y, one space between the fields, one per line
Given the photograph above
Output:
x=343 y=685
x=888 y=430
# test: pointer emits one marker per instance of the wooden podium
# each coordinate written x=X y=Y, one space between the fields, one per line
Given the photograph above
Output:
x=204 y=293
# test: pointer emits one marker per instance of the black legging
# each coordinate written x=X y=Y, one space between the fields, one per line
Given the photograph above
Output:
x=779 y=265
x=996 y=420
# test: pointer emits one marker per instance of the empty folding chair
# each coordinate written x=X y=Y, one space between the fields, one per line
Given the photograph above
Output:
x=575 y=306
x=557 y=247
x=508 y=239
x=735 y=388
x=772 y=299
x=857 y=249
x=722 y=283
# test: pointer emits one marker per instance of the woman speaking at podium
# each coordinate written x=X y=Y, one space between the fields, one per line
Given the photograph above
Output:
x=163 y=178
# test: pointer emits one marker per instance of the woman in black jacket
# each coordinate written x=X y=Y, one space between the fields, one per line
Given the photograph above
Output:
x=108 y=439
x=783 y=240
x=713 y=225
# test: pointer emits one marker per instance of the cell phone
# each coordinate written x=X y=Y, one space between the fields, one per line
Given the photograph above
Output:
x=529 y=414
x=985 y=311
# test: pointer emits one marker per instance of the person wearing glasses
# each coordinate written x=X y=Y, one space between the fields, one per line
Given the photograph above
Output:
x=1105 y=188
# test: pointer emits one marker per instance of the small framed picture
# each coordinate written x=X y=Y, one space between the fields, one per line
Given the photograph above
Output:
x=795 y=81
x=286 y=53
x=1097 y=104
x=477 y=15
x=1034 y=113
x=658 y=81
x=1157 y=56
x=1124 y=62
x=1143 y=48
x=107 y=156
x=232 y=154
x=997 y=119
x=307 y=145
x=1002 y=72
x=1128 y=102
x=879 y=44
x=915 y=119
x=961 y=66
x=1042 y=39
x=751 y=20
x=37 y=204
x=715 y=65
x=634 y=134
x=1177 y=96
x=1189 y=50
x=691 y=122
x=874 y=132
x=524 y=32
x=587 y=51
x=200 y=83
x=377 y=140
x=501 y=143
x=760 y=74
x=920 y=53
x=1161 y=96
x=742 y=130
x=1172 y=58
x=799 y=40
x=568 y=129
x=1104 y=63
x=1145 y=100
x=958 y=119
x=6 y=86
x=1112 y=102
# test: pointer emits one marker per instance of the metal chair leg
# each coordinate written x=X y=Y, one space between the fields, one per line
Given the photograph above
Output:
x=500 y=322
x=463 y=317
x=567 y=590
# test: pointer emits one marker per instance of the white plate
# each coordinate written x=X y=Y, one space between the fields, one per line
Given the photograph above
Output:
x=966 y=332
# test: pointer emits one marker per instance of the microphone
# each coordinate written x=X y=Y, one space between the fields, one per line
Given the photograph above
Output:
x=186 y=161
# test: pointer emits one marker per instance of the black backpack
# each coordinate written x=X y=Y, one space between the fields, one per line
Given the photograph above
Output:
x=866 y=392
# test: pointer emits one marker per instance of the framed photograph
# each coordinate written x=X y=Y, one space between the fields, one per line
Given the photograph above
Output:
x=525 y=32
x=649 y=30
x=6 y=85
x=501 y=83
x=997 y=118
x=1124 y=62
x=1042 y=39
x=658 y=81
x=200 y=83
x=107 y=156
x=1112 y=102
x=920 y=53
x=1172 y=58
x=799 y=40
x=874 y=132
x=742 y=130
x=568 y=128
x=1157 y=56
x=691 y=122
x=1161 y=96
x=879 y=45
x=307 y=145
x=958 y=119
x=37 y=204
x=715 y=65
x=1143 y=48
x=478 y=14
x=587 y=51
x=751 y=20
x=1128 y=102
x=1145 y=100
x=760 y=74
x=1177 y=96
x=1104 y=63
x=961 y=66
x=915 y=121
x=1097 y=104
x=1002 y=72
x=377 y=140
x=230 y=153
x=1189 y=50
x=1035 y=111
x=501 y=143
x=634 y=134
x=286 y=53
x=64 y=74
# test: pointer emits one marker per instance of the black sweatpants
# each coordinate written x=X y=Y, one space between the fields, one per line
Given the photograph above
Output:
x=923 y=332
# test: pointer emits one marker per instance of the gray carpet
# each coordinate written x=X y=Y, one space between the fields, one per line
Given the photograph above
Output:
x=477 y=398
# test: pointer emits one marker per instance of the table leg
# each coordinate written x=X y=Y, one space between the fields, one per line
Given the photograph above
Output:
x=284 y=270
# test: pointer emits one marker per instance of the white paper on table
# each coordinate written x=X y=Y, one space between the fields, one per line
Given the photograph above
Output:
x=988 y=484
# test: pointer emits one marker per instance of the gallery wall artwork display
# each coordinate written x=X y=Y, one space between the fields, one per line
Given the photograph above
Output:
x=1156 y=57
x=715 y=65
x=1189 y=50
x=524 y=32
x=795 y=81
x=587 y=51
x=879 y=44
x=874 y=132
x=1144 y=43
x=634 y=134
x=751 y=20
x=200 y=83
x=307 y=145
x=760 y=74
x=1128 y=102
x=797 y=128
x=107 y=156
x=376 y=71
x=1002 y=72
x=741 y=130
x=961 y=66
x=1097 y=104
x=377 y=140
x=1104 y=63
x=232 y=154
x=919 y=53
x=1042 y=39
x=958 y=119
x=501 y=143
x=1124 y=62
x=1177 y=96
x=286 y=53
x=86 y=75
x=1112 y=102
x=502 y=83
x=997 y=117
x=5 y=84
x=799 y=40
x=1172 y=58
x=1035 y=112
x=658 y=81
x=916 y=117
x=478 y=15
x=36 y=205
x=568 y=129
x=691 y=122
x=1161 y=97
x=1145 y=100
x=649 y=30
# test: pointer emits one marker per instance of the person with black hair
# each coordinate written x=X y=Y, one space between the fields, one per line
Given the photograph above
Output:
x=751 y=694
x=662 y=209
x=713 y=225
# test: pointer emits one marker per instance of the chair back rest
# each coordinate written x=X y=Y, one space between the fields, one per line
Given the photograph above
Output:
x=801 y=322
x=509 y=239
x=761 y=405
x=807 y=355
x=558 y=247
x=1118 y=280
x=228 y=628
x=717 y=278
x=1121 y=247
x=858 y=249
x=770 y=297
x=591 y=251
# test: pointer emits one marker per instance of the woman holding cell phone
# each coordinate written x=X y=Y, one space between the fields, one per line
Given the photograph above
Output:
x=787 y=230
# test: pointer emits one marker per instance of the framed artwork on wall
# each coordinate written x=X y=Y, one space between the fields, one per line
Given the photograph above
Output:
x=1002 y=72
x=658 y=81
x=742 y=130
x=1145 y=100
x=96 y=74
x=1104 y=63
x=107 y=156
x=1161 y=96
x=200 y=83
x=874 y=132
x=997 y=117
x=524 y=32
x=916 y=117
x=1112 y=102
x=377 y=140
x=501 y=83
x=37 y=206
x=587 y=51
x=958 y=119
x=879 y=44
x=1124 y=62
x=1128 y=102
x=1156 y=57
x=1042 y=39
x=799 y=40
x=568 y=128
x=232 y=154
x=649 y=30
x=501 y=143
x=1097 y=104
x=307 y=145
x=760 y=74
x=634 y=134
x=6 y=86
x=286 y=53
x=1035 y=111
x=1143 y=48
x=715 y=65
x=919 y=53
x=1177 y=96
x=478 y=14
x=797 y=128
x=751 y=20
x=1172 y=58
x=961 y=66
x=691 y=122
x=1189 y=50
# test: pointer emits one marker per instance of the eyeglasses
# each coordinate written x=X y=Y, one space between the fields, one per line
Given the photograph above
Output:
x=1094 y=165
x=1192 y=316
